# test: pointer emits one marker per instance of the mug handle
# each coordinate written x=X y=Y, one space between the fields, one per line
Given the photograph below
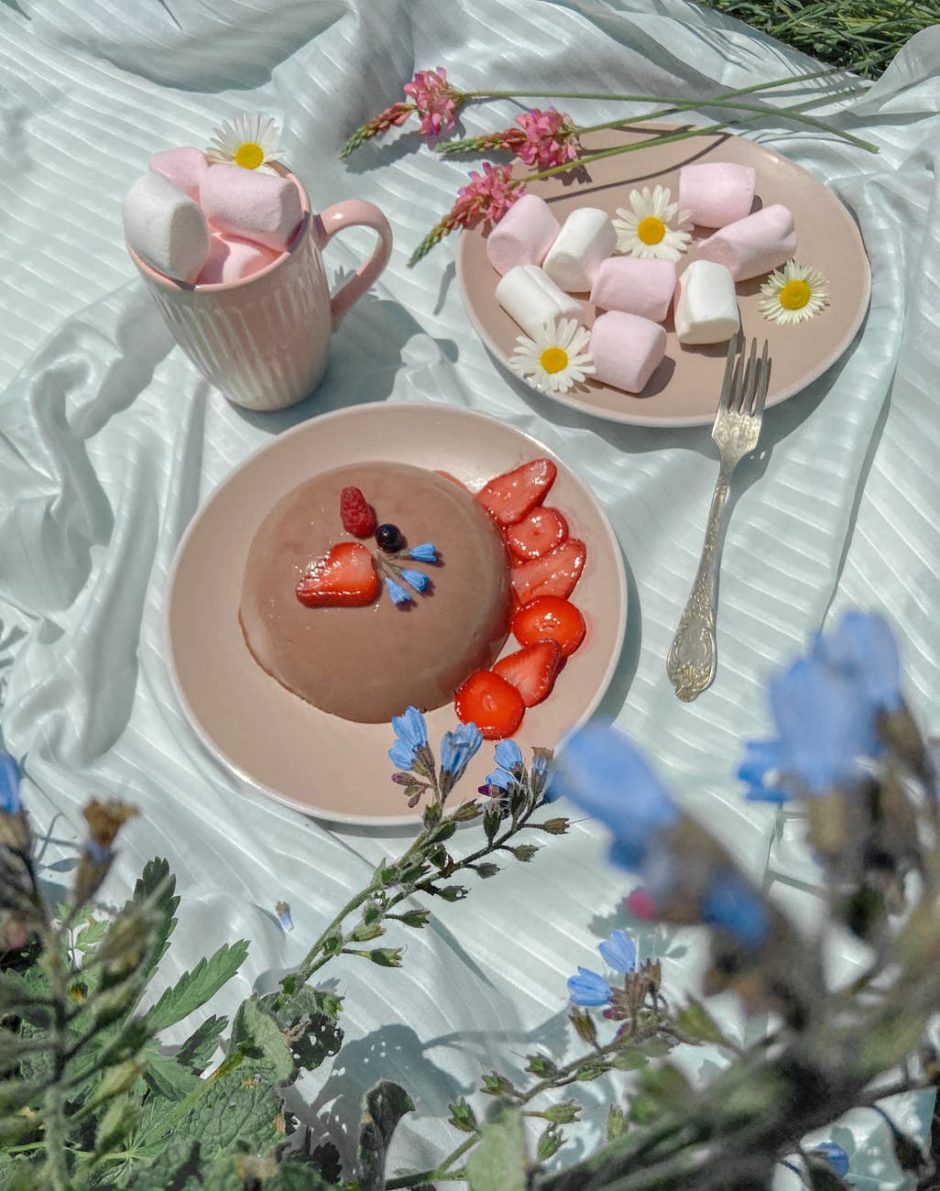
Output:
x=354 y=213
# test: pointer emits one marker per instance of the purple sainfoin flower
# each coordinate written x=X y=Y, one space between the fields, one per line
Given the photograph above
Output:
x=732 y=904
x=602 y=772
x=10 y=779
x=835 y=1155
x=411 y=734
x=588 y=989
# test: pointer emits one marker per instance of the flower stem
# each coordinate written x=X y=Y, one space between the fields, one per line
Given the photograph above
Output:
x=439 y=1172
x=56 y=1169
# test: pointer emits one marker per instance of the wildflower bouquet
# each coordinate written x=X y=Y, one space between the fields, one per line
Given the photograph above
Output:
x=90 y=1097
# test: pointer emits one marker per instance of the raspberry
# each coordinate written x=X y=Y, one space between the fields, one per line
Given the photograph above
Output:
x=357 y=515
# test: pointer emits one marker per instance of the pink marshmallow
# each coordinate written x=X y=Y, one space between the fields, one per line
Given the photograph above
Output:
x=523 y=235
x=231 y=259
x=751 y=246
x=626 y=349
x=185 y=168
x=265 y=208
x=643 y=287
x=716 y=193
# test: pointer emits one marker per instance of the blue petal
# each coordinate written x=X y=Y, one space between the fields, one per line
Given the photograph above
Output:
x=399 y=595
x=416 y=579
x=588 y=989
x=835 y=1155
x=619 y=952
x=500 y=778
x=402 y=755
x=601 y=771
x=10 y=778
x=426 y=552
x=862 y=648
x=508 y=754
x=96 y=853
x=410 y=727
x=458 y=748
x=734 y=905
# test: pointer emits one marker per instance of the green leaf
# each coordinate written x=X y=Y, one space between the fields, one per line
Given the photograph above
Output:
x=499 y=1162
x=308 y=1023
x=234 y=1109
x=167 y=1077
x=616 y=1123
x=91 y=934
x=198 y=1049
x=194 y=988
x=171 y=1166
x=156 y=887
x=385 y=1106
x=120 y=1117
x=258 y=1036
x=698 y=1025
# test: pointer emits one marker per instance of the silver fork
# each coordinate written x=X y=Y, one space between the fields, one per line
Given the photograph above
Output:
x=693 y=655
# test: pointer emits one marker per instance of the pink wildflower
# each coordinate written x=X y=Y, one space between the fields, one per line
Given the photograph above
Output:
x=547 y=139
x=641 y=905
x=434 y=99
x=486 y=196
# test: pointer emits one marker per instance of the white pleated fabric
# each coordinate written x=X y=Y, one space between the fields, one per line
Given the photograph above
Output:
x=110 y=441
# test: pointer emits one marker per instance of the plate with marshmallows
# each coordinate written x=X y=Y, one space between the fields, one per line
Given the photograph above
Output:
x=616 y=290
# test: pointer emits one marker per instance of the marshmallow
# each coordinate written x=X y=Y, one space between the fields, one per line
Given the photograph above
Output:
x=716 y=192
x=533 y=299
x=626 y=349
x=185 y=168
x=754 y=245
x=165 y=228
x=523 y=235
x=587 y=237
x=231 y=259
x=643 y=287
x=707 y=305
x=265 y=208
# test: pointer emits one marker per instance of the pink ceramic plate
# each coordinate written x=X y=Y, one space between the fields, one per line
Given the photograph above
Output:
x=273 y=740
x=684 y=390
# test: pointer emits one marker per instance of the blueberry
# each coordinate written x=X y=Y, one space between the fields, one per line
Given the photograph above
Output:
x=389 y=538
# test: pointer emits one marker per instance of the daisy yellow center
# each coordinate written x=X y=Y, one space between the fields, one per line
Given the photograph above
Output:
x=795 y=294
x=650 y=230
x=554 y=359
x=249 y=155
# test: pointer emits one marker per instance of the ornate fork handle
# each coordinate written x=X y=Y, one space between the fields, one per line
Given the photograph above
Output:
x=693 y=654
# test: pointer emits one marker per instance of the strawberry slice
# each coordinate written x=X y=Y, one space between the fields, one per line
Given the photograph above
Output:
x=345 y=577
x=532 y=670
x=550 y=618
x=535 y=535
x=555 y=573
x=510 y=497
x=490 y=702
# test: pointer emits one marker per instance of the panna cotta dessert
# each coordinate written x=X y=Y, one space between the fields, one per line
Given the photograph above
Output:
x=376 y=587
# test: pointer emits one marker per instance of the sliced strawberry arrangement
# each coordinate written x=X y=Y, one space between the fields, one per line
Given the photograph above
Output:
x=542 y=530
x=510 y=497
x=490 y=702
x=345 y=577
x=356 y=513
x=550 y=618
x=555 y=573
x=532 y=670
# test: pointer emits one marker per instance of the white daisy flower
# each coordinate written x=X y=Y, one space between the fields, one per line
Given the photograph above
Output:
x=248 y=141
x=793 y=294
x=554 y=358
x=654 y=227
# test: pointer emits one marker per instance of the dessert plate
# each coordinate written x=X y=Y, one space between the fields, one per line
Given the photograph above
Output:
x=684 y=390
x=286 y=748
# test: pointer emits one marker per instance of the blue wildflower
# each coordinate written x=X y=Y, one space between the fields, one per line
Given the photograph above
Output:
x=731 y=903
x=10 y=778
x=835 y=1155
x=619 y=952
x=282 y=909
x=601 y=771
x=508 y=755
x=411 y=734
x=759 y=770
x=500 y=778
x=538 y=771
x=588 y=989
x=863 y=650
x=426 y=552
x=416 y=579
x=458 y=748
x=398 y=593
x=96 y=852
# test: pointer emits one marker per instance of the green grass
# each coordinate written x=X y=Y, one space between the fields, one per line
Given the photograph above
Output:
x=860 y=35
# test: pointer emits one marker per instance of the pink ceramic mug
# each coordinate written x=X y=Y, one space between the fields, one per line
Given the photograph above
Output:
x=264 y=340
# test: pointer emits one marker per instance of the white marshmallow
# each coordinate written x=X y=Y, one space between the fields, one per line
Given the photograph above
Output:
x=523 y=235
x=533 y=299
x=587 y=238
x=707 y=305
x=166 y=228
